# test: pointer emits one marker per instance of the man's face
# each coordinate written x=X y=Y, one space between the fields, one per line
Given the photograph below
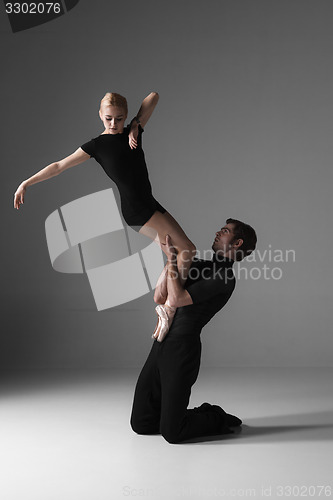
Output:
x=223 y=240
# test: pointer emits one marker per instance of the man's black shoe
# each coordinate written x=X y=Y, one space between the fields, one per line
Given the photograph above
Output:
x=230 y=420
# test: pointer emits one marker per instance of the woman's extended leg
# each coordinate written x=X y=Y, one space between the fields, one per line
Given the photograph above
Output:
x=156 y=228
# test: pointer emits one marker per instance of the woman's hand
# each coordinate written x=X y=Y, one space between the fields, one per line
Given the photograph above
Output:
x=19 y=196
x=133 y=136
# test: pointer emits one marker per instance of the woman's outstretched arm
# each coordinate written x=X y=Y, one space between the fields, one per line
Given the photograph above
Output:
x=79 y=156
x=146 y=109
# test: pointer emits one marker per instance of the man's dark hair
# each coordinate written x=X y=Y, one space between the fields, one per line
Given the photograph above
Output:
x=247 y=234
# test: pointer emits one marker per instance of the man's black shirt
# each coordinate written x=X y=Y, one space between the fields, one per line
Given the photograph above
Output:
x=210 y=284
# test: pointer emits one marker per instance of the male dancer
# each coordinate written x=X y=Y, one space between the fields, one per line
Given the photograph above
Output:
x=164 y=385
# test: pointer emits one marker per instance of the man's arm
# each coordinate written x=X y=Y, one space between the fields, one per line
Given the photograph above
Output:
x=177 y=295
x=161 y=289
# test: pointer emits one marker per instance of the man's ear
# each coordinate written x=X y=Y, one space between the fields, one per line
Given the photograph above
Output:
x=238 y=243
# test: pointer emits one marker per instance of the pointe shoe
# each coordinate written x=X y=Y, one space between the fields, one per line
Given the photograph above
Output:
x=161 y=321
x=163 y=326
x=165 y=317
x=157 y=329
x=158 y=326
x=166 y=314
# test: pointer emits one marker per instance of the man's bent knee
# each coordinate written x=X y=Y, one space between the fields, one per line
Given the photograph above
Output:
x=171 y=432
x=172 y=437
x=144 y=429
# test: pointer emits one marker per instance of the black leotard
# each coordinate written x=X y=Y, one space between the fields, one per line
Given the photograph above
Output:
x=127 y=168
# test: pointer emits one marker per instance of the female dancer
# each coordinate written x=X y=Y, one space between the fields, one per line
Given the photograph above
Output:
x=119 y=151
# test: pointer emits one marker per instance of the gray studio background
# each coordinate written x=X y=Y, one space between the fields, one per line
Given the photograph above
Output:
x=243 y=129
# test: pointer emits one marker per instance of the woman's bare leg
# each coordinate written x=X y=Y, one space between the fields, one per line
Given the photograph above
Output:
x=157 y=227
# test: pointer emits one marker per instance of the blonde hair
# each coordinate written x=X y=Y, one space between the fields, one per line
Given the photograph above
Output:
x=113 y=99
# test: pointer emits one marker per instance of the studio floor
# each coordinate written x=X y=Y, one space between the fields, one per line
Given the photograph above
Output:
x=65 y=435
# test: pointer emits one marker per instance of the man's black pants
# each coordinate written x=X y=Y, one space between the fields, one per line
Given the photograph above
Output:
x=163 y=391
